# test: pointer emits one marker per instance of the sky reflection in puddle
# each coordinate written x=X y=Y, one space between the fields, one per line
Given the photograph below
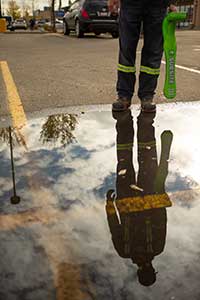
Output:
x=56 y=243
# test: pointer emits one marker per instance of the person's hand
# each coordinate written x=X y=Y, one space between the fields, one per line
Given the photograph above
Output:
x=172 y=8
x=113 y=5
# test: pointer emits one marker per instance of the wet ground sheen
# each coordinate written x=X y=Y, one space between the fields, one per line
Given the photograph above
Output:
x=70 y=236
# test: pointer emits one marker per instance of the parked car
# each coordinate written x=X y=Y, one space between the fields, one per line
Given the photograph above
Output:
x=9 y=22
x=20 y=24
x=90 y=16
x=58 y=23
x=40 y=23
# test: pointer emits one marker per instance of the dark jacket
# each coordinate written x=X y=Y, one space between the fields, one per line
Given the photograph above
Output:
x=140 y=236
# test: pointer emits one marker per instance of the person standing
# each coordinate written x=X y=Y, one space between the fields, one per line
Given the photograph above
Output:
x=32 y=24
x=133 y=14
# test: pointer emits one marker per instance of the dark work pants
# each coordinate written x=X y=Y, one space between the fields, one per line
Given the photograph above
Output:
x=147 y=155
x=125 y=138
x=133 y=13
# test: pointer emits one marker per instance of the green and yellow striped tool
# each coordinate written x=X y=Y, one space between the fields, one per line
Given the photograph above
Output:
x=169 y=27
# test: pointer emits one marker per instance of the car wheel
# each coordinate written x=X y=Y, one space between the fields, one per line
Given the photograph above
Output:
x=66 y=29
x=78 y=31
x=115 y=34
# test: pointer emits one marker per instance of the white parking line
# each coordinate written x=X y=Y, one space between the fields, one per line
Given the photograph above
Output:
x=184 y=68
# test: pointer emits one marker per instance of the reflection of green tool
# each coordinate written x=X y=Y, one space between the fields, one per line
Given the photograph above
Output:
x=169 y=27
x=162 y=172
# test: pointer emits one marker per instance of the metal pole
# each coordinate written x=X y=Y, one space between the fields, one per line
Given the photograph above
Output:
x=197 y=14
x=14 y=199
x=53 y=15
x=0 y=10
x=12 y=162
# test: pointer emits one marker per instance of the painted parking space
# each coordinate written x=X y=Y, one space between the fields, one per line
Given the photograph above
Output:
x=12 y=96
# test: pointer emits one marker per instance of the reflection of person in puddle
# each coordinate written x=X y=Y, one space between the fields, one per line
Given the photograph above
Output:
x=137 y=213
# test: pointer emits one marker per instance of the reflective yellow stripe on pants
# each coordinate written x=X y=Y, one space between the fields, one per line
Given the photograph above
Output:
x=147 y=145
x=128 y=146
x=151 y=71
x=126 y=69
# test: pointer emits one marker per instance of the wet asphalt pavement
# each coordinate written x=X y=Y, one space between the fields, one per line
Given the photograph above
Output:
x=52 y=70
x=71 y=237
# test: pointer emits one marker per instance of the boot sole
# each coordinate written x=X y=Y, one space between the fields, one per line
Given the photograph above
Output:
x=121 y=109
x=148 y=110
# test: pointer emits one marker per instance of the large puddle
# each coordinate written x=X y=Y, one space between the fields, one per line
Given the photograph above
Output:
x=107 y=205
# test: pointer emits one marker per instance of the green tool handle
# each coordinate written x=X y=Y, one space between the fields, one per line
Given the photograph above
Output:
x=169 y=28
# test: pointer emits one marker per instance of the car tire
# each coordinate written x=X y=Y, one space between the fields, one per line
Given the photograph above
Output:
x=115 y=34
x=78 y=31
x=66 y=30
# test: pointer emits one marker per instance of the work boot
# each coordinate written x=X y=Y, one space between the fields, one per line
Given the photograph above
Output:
x=121 y=104
x=147 y=105
x=122 y=116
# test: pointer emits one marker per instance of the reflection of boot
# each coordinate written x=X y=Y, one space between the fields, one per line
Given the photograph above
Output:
x=122 y=116
x=166 y=141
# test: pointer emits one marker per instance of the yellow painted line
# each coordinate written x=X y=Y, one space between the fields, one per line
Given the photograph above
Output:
x=14 y=102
